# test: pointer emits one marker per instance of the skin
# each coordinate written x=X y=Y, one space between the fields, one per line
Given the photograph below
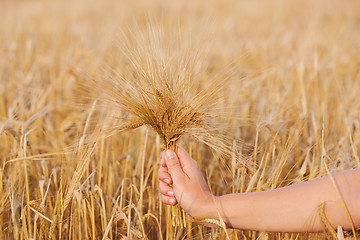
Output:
x=288 y=209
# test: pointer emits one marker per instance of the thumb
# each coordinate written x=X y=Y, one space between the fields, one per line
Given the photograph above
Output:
x=174 y=165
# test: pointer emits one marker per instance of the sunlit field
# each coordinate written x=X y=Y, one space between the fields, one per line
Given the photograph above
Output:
x=71 y=167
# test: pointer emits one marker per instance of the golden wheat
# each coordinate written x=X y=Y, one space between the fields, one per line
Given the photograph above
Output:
x=294 y=77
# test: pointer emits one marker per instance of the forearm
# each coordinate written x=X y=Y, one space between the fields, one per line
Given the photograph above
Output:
x=293 y=208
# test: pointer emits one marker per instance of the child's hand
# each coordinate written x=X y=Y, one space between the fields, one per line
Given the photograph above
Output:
x=182 y=181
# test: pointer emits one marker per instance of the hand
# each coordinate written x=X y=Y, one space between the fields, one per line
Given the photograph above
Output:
x=182 y=181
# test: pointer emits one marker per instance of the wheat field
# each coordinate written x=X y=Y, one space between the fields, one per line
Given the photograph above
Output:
x=292 y=102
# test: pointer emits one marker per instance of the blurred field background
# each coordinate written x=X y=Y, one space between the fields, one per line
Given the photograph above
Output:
x=296 y=80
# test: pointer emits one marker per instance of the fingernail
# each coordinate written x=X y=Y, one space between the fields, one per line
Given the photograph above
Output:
x=167 y=180
x=172 y=200
x=170 y=154
x=170 y=193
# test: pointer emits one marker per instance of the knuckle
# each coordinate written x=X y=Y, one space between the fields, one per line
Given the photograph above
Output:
x=162 y=176
x=164 y=199
x=163 y=191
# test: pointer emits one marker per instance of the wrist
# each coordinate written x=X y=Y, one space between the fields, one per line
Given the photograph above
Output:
x=212 y=207
x=215 y=210
x=205 y=208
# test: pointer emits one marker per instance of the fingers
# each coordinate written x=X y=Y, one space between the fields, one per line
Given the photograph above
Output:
x=182 y=153
x=162 y=159
x=174 y=166
x=168 y=200
x=189 y=165
x=183 y=156
x=186 y=161
x=164 y=175
x=166 y=190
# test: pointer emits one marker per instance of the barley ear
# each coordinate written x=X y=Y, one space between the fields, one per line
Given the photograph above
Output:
x=326 y=222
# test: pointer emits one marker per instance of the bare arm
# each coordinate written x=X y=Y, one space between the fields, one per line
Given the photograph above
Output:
x=288 y=209
x=294 y=208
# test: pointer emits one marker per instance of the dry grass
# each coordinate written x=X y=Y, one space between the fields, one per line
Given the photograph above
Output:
x=294 y=77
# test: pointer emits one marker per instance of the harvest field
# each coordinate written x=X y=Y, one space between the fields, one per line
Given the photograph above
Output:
x=289 y=108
